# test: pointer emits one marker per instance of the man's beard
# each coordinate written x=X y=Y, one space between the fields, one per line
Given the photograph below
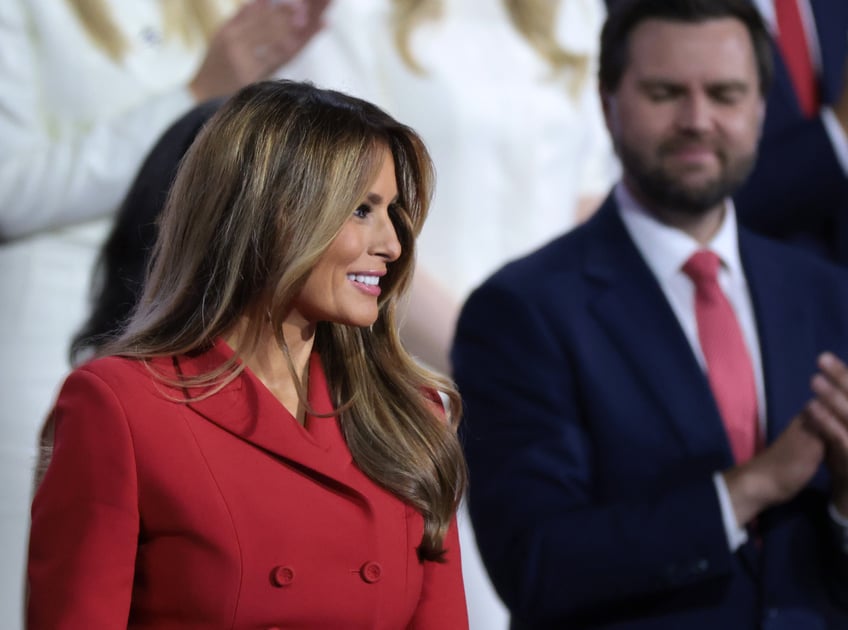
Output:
x=659 y=188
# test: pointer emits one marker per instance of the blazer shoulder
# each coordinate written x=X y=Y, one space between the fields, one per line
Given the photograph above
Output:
x=113 y=367
x=545 y=264
x=129 y=377
x=800 y=265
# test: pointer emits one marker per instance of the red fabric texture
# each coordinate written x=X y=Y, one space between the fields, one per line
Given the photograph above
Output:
x=729 y=369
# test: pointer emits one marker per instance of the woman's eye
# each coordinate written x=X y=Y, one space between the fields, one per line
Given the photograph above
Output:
x=362 y=211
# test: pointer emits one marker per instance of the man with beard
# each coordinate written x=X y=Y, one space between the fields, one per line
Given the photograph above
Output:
x=656 y=414
x=798 y=190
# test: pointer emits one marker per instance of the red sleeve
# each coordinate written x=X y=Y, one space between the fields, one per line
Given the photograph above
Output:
x=85 y=523
x=442 y=603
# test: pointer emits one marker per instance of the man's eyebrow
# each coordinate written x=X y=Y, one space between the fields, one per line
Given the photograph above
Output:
x=652 y=82
x=729 y=84
x=676 y=86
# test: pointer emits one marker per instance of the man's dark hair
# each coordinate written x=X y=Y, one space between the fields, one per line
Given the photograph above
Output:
x=625 y=15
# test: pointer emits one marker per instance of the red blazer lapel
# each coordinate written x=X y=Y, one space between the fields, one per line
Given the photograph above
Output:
x=246 y=409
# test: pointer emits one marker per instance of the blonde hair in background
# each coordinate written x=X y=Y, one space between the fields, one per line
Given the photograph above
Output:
x=191 y=20
x=261 y=194
x=535 y=20
x=406 y=16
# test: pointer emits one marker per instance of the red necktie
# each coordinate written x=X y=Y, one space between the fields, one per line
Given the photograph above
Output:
x=792 y=39
x=729 y=368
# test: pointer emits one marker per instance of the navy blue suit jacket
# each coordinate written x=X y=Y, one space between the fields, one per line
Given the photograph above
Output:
x=798 y=191
x=592 y=438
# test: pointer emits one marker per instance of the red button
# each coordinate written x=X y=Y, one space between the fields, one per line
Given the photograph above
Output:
x=282 y=576
x=371 y=572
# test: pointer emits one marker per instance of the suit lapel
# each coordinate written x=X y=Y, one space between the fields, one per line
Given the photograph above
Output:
x=784 y=330
x=246 y=409
x=833 y=45
x=783 y=87
x=631 y=306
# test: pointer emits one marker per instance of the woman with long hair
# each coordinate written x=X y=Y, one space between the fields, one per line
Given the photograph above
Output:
x=257 y=440
x=504 y=94
x=86 y=88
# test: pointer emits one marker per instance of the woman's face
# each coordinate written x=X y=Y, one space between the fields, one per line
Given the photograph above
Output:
x=345 y=284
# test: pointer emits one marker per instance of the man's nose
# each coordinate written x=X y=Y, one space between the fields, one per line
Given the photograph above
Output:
x=695 y=113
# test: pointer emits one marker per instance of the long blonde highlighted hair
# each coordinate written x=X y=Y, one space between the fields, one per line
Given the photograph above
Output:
x=192 y=21
x=262 y=193
x=535 y=20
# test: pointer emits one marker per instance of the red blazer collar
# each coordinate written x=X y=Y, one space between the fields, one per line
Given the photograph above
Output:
x=248 y=410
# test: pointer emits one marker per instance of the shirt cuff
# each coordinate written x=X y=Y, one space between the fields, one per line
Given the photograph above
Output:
x=838 y=138
x=839 y=524
x=736 y=536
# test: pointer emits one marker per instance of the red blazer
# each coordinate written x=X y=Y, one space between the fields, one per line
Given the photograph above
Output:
x=221 y=513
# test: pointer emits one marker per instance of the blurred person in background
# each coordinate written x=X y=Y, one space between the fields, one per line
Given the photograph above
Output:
x=86 y=88
x=121 y=266
x=656 y=436
x=798 y=191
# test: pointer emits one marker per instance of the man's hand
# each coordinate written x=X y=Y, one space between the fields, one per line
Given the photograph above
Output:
x=777 y=473
x=828 y=416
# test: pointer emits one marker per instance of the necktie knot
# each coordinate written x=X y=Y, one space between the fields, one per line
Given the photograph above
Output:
x=702 y=267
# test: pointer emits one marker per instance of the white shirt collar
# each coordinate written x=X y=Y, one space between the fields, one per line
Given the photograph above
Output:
x=766 y=9
x=666 y=249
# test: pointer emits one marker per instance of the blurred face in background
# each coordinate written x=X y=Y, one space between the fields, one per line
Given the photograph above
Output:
x=687 y=113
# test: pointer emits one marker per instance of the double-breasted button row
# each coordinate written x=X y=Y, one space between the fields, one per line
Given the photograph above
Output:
x=282 y=576
x=371 y=572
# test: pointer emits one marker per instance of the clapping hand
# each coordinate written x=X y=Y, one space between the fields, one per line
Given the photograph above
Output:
x=827 y=415
x=262 y=36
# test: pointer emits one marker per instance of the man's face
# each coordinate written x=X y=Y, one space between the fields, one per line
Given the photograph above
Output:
x=687 y=114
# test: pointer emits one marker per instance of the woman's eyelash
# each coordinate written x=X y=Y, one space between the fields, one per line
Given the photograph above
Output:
x=362 y=211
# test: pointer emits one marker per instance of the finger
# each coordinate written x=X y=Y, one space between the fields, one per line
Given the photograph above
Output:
x=298 y=12
x=820 y=419
x=287 y=43
x=273 y=28
x=835 y=369
x=260 y=20
x=835 y=439
x=257 y=30
x=832 y=395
